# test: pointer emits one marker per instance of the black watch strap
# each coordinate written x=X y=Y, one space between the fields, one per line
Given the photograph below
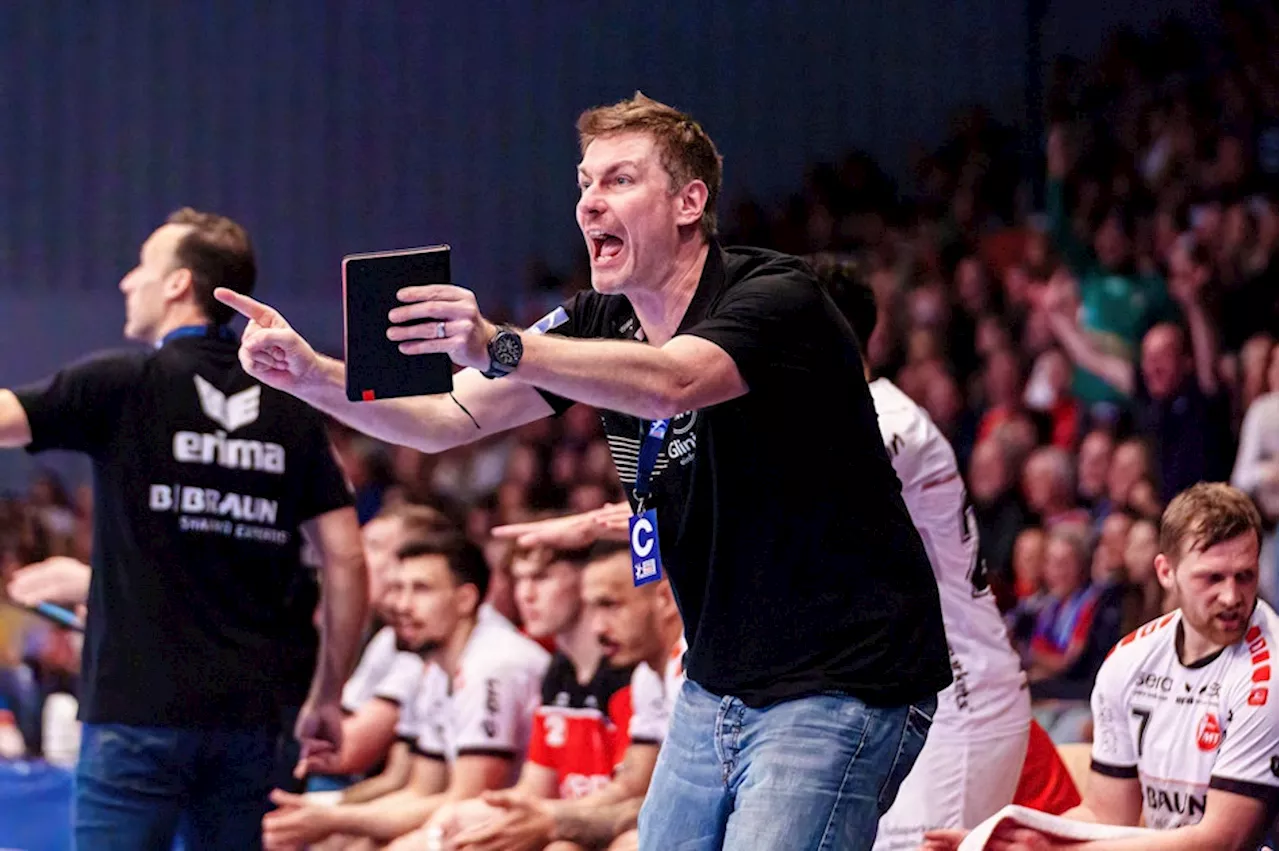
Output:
x=505 y=350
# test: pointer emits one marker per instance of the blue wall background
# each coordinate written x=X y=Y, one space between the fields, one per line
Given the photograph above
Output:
x=333 y=126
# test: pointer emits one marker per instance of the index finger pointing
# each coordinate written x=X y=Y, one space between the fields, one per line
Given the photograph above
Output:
x=245 y=306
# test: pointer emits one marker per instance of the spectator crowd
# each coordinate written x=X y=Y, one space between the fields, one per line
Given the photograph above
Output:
x=1088 y=356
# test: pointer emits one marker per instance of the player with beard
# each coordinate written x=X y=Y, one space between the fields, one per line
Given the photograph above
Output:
x=579 y=731
x=633 y=626
x=1184 y=709
x=386 y=676
x=470 y=719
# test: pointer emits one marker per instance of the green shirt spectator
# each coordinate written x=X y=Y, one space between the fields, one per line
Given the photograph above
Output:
x=1117 y=305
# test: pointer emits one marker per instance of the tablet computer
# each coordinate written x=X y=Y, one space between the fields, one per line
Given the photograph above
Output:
x=376 y=368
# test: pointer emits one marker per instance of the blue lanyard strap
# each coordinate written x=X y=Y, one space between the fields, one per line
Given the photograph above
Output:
x=221 y=331
x=648 y=457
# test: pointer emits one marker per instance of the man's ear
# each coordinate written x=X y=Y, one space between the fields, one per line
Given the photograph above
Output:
x=691 y=202
x=178 y=284
x=467 y=599
x=1164 y=572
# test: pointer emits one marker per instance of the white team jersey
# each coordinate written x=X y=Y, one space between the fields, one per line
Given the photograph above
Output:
x=392 y=674
x=1182 y=731
x=375 y=662
x=653 y=697
x=487 y=613
x=985 y=694
x=401 y=680
x=488 y=708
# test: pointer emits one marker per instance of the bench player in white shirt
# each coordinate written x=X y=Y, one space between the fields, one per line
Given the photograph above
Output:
x=971 y=761
x=1184 y=709
x=634 y=626
x=469 y=720
x=386 y=675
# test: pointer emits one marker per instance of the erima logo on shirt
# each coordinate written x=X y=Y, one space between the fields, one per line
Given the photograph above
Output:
x=230 y=412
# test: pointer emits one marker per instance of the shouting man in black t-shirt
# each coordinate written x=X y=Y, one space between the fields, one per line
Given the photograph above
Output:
x=732 y=394
x=199 y=634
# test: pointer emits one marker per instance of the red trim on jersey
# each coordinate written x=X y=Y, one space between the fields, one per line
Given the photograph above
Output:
x=1045 y=783
x=1144 y=630
x=939 y=482
x=577 y=727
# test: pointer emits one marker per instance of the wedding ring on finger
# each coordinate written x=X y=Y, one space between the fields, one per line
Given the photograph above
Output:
x=440 y=331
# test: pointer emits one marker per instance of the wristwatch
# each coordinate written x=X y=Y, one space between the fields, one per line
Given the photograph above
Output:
x=505 y=350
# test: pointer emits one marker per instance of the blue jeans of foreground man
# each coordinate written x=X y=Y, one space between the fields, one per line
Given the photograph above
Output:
x=135 y=786
x=812 y=773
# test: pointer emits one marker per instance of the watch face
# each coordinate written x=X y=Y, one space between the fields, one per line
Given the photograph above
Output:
x=507 y=349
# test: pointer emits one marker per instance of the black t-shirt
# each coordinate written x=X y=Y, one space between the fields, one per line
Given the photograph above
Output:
x=1191 y=433
x=199 y=607
x=790 y=551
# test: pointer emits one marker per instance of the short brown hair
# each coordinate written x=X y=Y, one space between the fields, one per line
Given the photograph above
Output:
x=466 y=561
x=1205 y=515
x=418 y=519
x=545 y=555
x=218 y=253
x=687 y=152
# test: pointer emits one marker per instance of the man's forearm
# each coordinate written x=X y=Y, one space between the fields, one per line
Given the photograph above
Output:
x=594 y=826
x=344 y=607
x=629 y=377
x=15 y=428
x=1204 y=348
x=388 y=817
x=1111 y=369
x=1082 y=813
x=373 y=788
x=428 y=423
x=1192 y=838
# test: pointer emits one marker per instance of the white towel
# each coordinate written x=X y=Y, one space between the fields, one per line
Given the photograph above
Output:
x=1057 y=826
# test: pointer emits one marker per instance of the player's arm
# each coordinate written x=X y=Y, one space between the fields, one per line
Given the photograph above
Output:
x=393 y=777
x=299 y=823
x=1231 y=822
x=538 y=781
x=272 y=352
x=1113 y=794
x=1109 y=799
x=631 y=780
x=596 y=826
x=367 y=734
x=410 y=808
x=15 y=428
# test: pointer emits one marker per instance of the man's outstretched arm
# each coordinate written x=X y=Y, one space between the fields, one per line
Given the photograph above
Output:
x=277 y=355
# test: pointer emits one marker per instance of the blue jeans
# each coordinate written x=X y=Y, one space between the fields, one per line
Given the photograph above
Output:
x=811 y=773
x=136 y=787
